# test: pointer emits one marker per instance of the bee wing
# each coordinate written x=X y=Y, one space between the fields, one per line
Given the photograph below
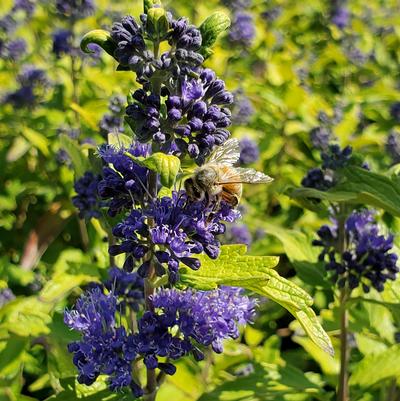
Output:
x=227 y=154
x=245 y=176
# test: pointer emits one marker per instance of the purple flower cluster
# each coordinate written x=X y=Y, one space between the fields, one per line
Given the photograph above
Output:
x=124 y=182
x=242 y=109
x=203 y=319
x=333 y=159
x=340 y=16
x=127 y=287
x=6 y=295
x=87 y=198
x=75 y=9
x=14 y=48
x=132 y=52
x=367 y=261
x=105 y=347
x=320 y=138
x=196 y=119
x=238 y=234
x=243 y=30
x=236 y=4
x=249 y=152
x=393 y=146
x=181 y=229
x=62 y=42
x=272 y=13
x=395 y=112
x=32 y=84
x=113 y=121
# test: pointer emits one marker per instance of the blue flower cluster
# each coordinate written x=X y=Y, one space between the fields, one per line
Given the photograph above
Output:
x=105 y=347
x=32 y=85
x=87 y=198
x=127 y=287
x=243 y=30
x=320 y=137
x=62 y=42
x=238 y=234
x=181 y=229
x=340 y=16
x=393 y=146
x=196 y=119
x=333 y=159
x=249 y=152
x=132 y=52
x=12 y=48
x=395 y=112
x=242 y=109
x=113 y=121
x=75 y=9
x=124 y=182
x=6 y=295
x=236 y=4
x=367 y=260
x=203 y=319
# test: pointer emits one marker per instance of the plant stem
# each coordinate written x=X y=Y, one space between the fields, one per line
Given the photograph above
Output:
x=343 y=388
x=392 y=392
x=151 y=387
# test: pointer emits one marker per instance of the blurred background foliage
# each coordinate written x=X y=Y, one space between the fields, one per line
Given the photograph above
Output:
x=301 y=72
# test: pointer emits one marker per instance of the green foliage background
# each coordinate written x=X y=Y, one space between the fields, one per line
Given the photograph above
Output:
x=299 y=65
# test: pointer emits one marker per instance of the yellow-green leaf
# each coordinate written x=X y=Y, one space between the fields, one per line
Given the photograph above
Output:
x=256 y=273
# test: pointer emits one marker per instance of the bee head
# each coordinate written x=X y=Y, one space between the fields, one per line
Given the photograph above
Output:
x=205 y=178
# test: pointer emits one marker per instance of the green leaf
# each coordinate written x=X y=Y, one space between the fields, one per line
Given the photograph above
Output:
x=214 y=25
x=359 y=186
x=157 y=23
x=166 y=165
x=79 y=161
x=267 y=382
x=118 y=140
x=37 y=139
x=86 y=116
x=302 y=255
x=376 y=367
x=62 y=284
x=255 y=273
x=147 y=4
x=371 y=188
x=101 y=38
x=11 y=356
x=26 y=317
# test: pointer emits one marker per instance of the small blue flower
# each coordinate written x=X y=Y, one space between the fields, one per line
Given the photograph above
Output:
x=320 y=138
x=6 y=295
x=249 y=152
x=393 y=146
x=239 y=234
x=87 y=198
x=113 y=121
x=242 y=109
x=62 y=42
x=340 y=17
x=15 y=49
x=75 y=8
x=395 y=111
x=242 y=30
x=367 y=261
x=105 y=347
